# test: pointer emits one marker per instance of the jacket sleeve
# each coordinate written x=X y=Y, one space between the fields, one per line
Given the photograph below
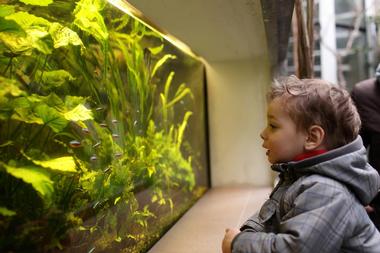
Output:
x=253 y=224
x=316 y=222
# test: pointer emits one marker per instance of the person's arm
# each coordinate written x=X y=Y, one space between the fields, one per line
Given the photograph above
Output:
x=364 y=133
x=315 y=223
x=253 y=224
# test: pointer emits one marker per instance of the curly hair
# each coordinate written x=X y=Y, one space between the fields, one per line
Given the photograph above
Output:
x=317 y=102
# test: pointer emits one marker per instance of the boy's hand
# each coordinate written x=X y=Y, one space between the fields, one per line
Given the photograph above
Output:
x=369 y=209
x=228 y=237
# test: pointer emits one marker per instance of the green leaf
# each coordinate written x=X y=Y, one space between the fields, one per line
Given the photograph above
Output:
x=16 y=42
x=123 y=22
x=51 y=117
x=37 y=2
x=34 y=99
x=164 y=108
x=73 y=101
x=26 y=115
x=10 y=26
x=53 y=100
x=54 y=78
x=156 y=50
x=181 y=88
x=182 y=128
x=151 y=171
x=29 y=21
x=39 y=178
x=179 y=96
x=63 y=36
x=167 y=84
x=10 y=87
x=35 y=28
x=171 y=204
x=79 y=113
x=21 y=44
x=62 y=164
x=6 y=10
x=89 y=19
x=161 y=62
x=117 y=200
x=7 y=143
x=132 y=237
x=6 y=212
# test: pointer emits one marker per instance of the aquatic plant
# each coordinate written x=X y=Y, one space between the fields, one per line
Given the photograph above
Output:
x=88 y=121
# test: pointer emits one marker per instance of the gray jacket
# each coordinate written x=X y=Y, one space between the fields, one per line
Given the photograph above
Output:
x=318 y=206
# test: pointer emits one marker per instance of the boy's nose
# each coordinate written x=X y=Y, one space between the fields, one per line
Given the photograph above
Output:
x=262 y=134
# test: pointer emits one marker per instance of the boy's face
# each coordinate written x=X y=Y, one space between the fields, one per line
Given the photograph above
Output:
x=281 y=138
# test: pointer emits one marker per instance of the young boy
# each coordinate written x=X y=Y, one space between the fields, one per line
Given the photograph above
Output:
x=325 y=181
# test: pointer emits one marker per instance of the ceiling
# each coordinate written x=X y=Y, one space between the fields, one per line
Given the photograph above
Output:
x=217 y=30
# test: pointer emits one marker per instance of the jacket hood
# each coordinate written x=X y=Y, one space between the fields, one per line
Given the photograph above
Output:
x=347 y=164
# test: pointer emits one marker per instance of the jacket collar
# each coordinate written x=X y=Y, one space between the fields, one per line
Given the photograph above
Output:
x=329 y=155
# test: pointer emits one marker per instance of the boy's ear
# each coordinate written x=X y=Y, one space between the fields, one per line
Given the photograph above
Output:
x=315 y=138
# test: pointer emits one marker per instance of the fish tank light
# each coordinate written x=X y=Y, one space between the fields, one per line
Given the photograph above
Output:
x=133 y=12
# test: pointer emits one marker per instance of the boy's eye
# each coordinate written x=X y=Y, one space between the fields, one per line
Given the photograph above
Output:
x=272 y=126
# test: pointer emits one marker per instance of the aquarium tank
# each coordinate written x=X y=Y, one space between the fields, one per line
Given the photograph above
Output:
x=103 y=141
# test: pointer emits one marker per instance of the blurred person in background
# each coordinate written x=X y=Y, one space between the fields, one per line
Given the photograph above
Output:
x=366 y=96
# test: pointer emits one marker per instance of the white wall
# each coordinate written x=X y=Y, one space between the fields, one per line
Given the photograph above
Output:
x=236 y=99
x=230 y=35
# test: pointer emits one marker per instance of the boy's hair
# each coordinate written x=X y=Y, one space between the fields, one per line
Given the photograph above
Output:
x=318 y=102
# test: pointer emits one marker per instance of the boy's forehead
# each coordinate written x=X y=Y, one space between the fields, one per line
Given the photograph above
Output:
x=276 y=105
x=273 y=115
x=276 y=109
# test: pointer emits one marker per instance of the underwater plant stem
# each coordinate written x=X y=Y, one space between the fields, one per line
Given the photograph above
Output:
x=66 y=194
x=42 y=72
x=32 y=75
x=10 y=70
x=43 y=68
x=34 y=137
x=9 y=65
x=8 y=130
x=76 y=61
x=12 y=135
x=106 y=61
x=45 y=143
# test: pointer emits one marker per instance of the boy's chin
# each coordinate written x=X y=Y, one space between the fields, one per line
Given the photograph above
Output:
x=276 y=161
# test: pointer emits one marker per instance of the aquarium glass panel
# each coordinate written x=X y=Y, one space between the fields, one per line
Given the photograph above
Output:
x=102 y=129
